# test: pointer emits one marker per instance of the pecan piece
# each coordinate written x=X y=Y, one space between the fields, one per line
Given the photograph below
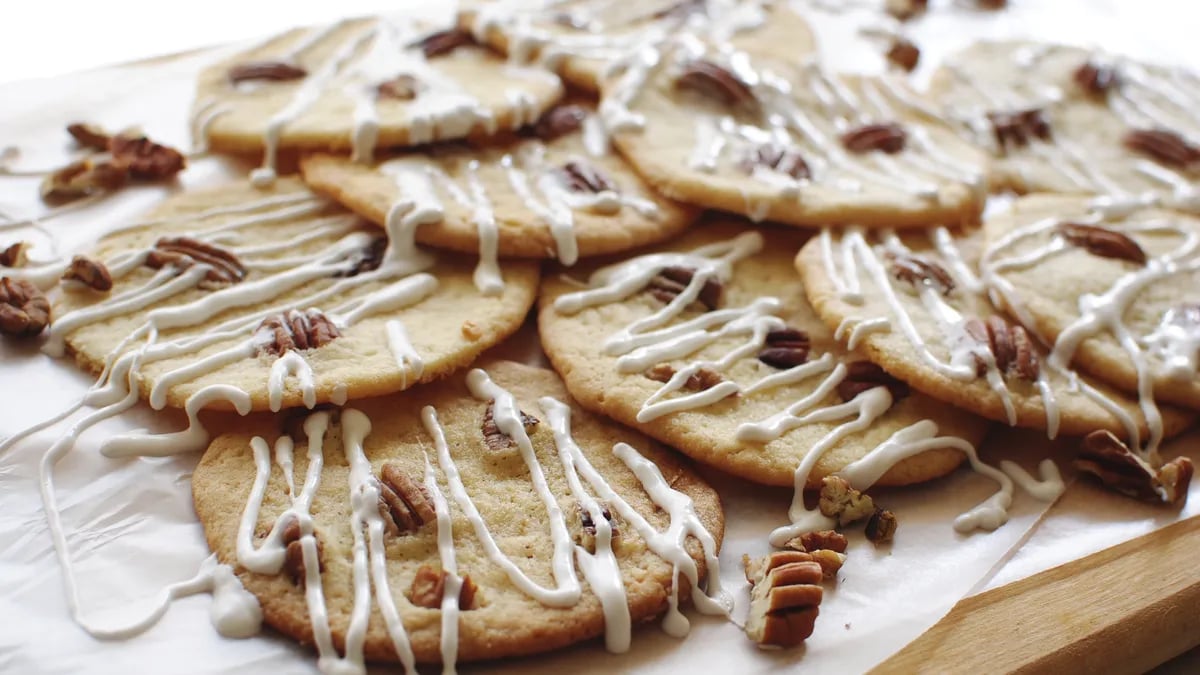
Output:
x=1163 y=146
x=919 y=271
x=90 y=136
x=831 y=561
x=830 y=540
x=80 y=179
x=280 y=333
x=144 y=159
x=24 y=310
x=579 y=176
x=444 y=41
x=183 y=252
x=14 y=255
x=429 y=585
x=90 y=273
x=671 y=281
x=1010 y=345
x=404 y=504
x=787 y=161
x=904 y=54
x=273 y=71
x=1104 y=456
x=493 y=437
x=400 y=88
x=785 y=348
x=1095 y=79
x=1103 y=242
x=293 y=561
x=887 y=137
x=842 y=502
x=905 y=9
x=701 y=380
x=864 y=375
x=1017 y=128
x=713 y=81
x=559 y=121
x=881 y=526
x=367 y=259
x=587 y=532
x=784 y=598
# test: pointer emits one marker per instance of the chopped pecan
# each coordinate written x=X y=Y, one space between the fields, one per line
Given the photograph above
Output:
x=830 y=540
x=579 y=176
x=714 y=81
x=444 y=41
x=471 y=330
x=670 y=282
x=80 y=179
x=587 y=532
x=144 y=159
x=1163 y=146
x=919 y=271
x=1017 y=128
x=842 y=502
x=293 y=561
x=864 y=375
x=1095 y=79
x=429 y=585
x=280 y=333
x=183 y=252
x=881 y=526
x=904 y=54
x=785 y=348
x=559 y=121
x=90 y=273
x=905 y=9
x=274 y=71
x=1104 y=456
x=404 y=504
x=1103 y=242
x=400 y=88
x=24 y=311
x=701 y=380
x=1010 y=345
x=14 y=255
x=90 y=136
x=885 y=137
x=366 y=259
x=784 y=598
x=787 y=161
x=493 y=437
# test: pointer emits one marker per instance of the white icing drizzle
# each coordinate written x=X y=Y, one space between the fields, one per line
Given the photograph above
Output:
x=407 y=358
x=452 y=587
x=291 y=363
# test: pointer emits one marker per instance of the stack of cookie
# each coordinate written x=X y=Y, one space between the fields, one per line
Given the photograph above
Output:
x=389 y=491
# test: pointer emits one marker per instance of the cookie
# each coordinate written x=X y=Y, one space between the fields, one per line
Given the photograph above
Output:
x=1066 y=119
x=916 y=306
x=1114 y=288
x=481 y=517
x=789 y=142
x=360 y=84
x=545 y=194
x=248 y=298
x=583 y=40
x=709 y=346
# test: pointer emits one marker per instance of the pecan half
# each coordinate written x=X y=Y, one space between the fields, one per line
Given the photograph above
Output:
x=670 y=282
x=579 y=176
x=921 y=272
x=400 y=88
x=429 y=585
x=559 y=121
x=784 y=597
x=24 y=310
x=367 y=259
x=881 y=526
x=80 y=179
x=404 y=504
x=905 y=9
x=1010 y=345
x=90 y=273
x=183 y=252
x=587 y=531
x=144 y=159
x=864 y=375
x=1095 y=79
x=444 y=41
x=14 y=255
x=785 y=348
x=495 y=439
x=293 y=561
x=1017 y=128
x=90 y=136
x=842 y=502
x=1163 y=146
x=280 y=333
x=273 y=71
x=1104 y=456
x=787 y=161
x=904 y=54
x=714 y=81
x=1103 y=242
x=885 y=137
x=831 y=540
x=701 y=380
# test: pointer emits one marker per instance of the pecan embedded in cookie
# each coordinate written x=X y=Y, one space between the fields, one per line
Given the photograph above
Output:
x=670 y=282
x=273 y=71
x=1095 y=79
x=1163 y=146
x=493 y=437
x=183 y=252
x=559 y=121
x=904 y=54
x=400 y=88
x=701 y=380
x=444 y=41
x=1104 y=456
x=1103 y=242
x=785 y=348
x=90 y=273
x=280 y=333
x=1017 y=128
x=787 y=161
x=784 y=598
x=716 y=82
x=587 y=533
x=580 y=176
x=905 y=9
x=366 y=259
x=24 y=310
x=293 y=562
x=886 y=137
x=404 y=504
x=429 y=585
x=1010 y=344
x=864 y=375
x=919 y=271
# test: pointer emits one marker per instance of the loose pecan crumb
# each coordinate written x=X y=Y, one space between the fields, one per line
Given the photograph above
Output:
x=274 y=71
x=701 y=380
x=400 y=88
x=580 y=176
x=842 y=502
x=904 y=54
x=559 y=121
x=1095 y=79
x=1010 y=345
x=784 y=597
x=1104 y=456
x=881 y=526
x=280 y=333
x=495 y=439
x=80 y=179
x=919 y=271
x=587 y=533
x=293 y=562
x=671 y=281
x=183 y=252
x=90 y=273
x=717 y=82
x=444 y=41
x=864 y=375
x=831 y=540
x=429 y=585
x=886 y=137
x=404 y=504
x=785 y=348
x=14 y=255
x=1017 y=128
x=366 y=259
x=144 y=159
x=1163 y=146
x=905 y=9
x=90 y=136
x=24 y=310
x=787 y=161
x=1103 y=242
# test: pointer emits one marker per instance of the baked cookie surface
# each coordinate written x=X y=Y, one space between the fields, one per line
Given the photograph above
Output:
x=247 y=298
x=709 y=346
x=546 y=194
x=566 y=526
